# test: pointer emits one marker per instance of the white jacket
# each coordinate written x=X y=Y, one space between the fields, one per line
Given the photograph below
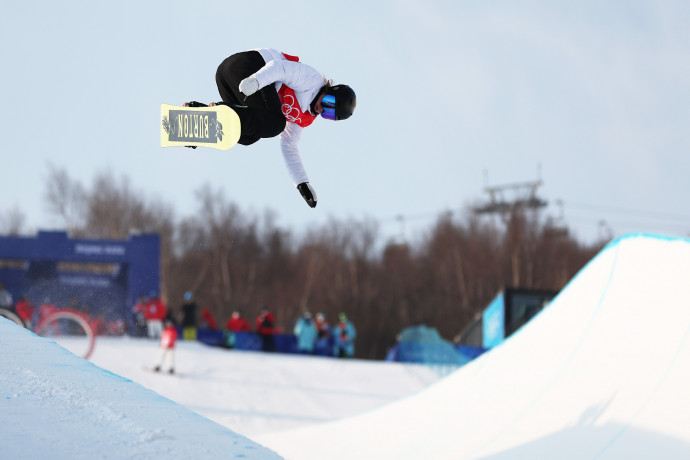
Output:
x=306 y=82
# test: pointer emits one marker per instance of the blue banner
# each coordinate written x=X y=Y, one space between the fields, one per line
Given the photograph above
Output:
x=493 y=323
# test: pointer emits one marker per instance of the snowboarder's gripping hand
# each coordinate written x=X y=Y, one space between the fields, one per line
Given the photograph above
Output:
x=249 y=86
x=308 y=193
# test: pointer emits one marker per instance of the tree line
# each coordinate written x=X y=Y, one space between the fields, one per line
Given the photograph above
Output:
x=233 y=260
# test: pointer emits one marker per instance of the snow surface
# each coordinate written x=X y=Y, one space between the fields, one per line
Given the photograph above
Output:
x=56 y=405
x=256 y=393
x=603 y=372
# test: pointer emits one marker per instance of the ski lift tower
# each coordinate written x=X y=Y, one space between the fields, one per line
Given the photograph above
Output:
x=504 y=199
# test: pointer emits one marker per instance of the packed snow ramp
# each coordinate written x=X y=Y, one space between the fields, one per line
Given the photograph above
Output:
x=58 y=406
x=603 y=372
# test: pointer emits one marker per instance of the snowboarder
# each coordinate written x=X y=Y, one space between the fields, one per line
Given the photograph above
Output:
x=275 y=94
x=168 y=338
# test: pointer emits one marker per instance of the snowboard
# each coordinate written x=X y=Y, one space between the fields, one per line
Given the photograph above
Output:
x=216 y=127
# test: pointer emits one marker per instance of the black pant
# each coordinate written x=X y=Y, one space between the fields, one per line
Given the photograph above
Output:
x=268 y=342
x=260 y=114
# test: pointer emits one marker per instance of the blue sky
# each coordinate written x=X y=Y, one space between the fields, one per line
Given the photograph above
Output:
x=452 y=96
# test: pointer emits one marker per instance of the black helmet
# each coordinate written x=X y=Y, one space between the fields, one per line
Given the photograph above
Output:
x=342 y=103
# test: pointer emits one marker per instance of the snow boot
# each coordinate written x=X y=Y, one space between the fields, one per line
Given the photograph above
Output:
x=194 y=104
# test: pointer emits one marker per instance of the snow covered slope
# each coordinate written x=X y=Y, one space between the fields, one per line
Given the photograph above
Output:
x=58 y=406
x=257 y=393
x=55 y=405
x=604 y=372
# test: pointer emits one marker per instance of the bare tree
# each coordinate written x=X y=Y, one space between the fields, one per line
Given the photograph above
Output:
x=65 y=198
x=111 y=210
x=231 y=259
x=12 y=222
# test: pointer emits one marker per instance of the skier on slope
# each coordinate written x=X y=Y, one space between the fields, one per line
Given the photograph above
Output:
x=275 y=94
x=168 y=339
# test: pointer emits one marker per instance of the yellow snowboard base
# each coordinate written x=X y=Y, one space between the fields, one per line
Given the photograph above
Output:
x=216 y=127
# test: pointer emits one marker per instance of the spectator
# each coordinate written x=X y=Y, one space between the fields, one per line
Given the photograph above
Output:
x=25 y=311
x=189 y=317
x=6 y=300
x=306 y=333
x=228 y=339
x=156 y=312
x=265 y=327
x=139 y=313
x=207 y=320
x=323 y=335
x=237 y=323
x=344 y=334
x=168 y=338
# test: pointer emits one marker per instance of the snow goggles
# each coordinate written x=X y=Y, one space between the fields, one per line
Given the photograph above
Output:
x=328 y=104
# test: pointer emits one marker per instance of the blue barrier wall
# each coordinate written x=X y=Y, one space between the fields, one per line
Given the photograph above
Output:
x=248 y=341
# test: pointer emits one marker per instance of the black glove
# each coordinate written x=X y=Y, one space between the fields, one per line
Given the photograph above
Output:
x=308 y=193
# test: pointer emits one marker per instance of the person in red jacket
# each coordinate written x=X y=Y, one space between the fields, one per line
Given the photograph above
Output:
x=207 y=320
x=156 y=312
x=265 y=327
x=237 y=323
x=168 y=339
x=25 y=311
